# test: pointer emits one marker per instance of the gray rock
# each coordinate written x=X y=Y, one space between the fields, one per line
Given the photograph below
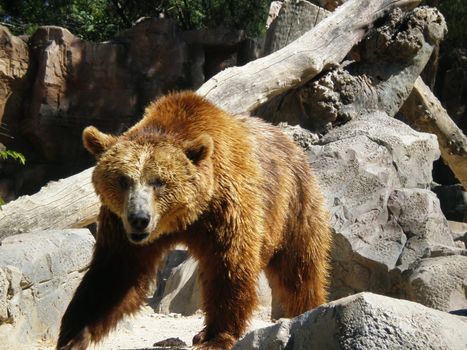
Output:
x=384 y=217
x=363 y=321
x=180 y=292
x=39 y=272
x=439 y=282
x=289 y=23
x=419 y=214
x=375 y=172
x=391 y=148
x=459 y=233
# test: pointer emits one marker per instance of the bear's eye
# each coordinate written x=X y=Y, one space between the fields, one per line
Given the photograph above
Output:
x=157 y=184
x=123 y=182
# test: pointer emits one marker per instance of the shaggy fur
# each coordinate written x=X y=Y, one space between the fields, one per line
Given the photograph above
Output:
x=235 y=190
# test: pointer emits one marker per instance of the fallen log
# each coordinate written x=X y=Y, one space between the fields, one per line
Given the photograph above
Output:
x=380 y=78
x=243 y=89
x=424 y=112
x=358 y=88
x=71 y=202
x=67 y=203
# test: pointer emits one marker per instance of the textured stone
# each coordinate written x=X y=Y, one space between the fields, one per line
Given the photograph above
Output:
x=293 y=19
x=42 y=271
x=179 y=290
x=439 y=282
x=4 y=284
x=14 y=63
x=419 y=214
x=375 y=172
x=363 y=321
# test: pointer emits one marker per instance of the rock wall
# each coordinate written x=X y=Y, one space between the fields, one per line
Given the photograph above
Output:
x=72 y=83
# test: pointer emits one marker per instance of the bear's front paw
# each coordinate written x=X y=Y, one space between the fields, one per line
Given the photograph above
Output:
x=79 y=342
x=221 y=341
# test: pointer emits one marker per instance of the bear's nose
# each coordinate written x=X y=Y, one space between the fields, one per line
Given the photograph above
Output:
x=139 y=220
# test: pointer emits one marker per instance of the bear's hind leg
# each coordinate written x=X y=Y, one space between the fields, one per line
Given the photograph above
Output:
x=295 y=289
x=229 y=297
x=298 y=274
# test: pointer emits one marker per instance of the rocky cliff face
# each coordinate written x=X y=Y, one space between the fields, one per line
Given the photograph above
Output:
x=54 y=84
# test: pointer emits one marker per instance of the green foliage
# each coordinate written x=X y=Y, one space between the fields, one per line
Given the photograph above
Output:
x=100 y=19
x=86 y=18
x=8 y=153
x=249 y=15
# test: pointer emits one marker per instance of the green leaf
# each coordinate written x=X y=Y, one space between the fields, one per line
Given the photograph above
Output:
x=8 y=153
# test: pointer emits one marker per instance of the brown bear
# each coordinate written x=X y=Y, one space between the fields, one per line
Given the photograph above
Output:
x=235 y=190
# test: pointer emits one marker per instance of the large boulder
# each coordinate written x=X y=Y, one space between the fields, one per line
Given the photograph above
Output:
x=363 y=321
x=375 y=172
x=39 y=273
x=439 y=282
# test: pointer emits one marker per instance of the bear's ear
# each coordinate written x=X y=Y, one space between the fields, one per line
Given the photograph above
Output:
x=97 y=142
x=199 y=149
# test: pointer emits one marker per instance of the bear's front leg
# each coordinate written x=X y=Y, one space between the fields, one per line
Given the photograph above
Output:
x=114 y=286
x=108 y=291
x=228 y=282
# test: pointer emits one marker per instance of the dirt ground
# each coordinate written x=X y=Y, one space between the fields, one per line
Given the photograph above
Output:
x=144 y=329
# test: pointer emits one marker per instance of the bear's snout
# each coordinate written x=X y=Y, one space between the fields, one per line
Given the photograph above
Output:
x=139 y=221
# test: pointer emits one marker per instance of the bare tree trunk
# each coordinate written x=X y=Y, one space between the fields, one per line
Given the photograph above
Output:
x=243 y=89
x=379 y=82
x=72 y=202
x=424 y=112
x=381 y=78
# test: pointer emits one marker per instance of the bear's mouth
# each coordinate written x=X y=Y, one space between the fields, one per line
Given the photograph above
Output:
x=138 y=237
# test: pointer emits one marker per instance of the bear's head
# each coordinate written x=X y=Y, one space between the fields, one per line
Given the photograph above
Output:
x=153 y=182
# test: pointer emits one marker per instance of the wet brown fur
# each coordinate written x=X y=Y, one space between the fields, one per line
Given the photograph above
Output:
x=254 y=206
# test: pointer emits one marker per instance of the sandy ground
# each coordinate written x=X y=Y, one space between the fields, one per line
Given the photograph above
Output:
x=144 y=329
